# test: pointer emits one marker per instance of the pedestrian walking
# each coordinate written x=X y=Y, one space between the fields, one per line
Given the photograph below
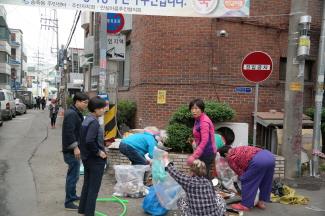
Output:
x=54 y=109
x=43 y=102
x=136 y=146
x=35 y=103
x=38 y=102
x=70 y=147
x=255 y=168
x=93 y=156
x=204 y=143
x=201 y=198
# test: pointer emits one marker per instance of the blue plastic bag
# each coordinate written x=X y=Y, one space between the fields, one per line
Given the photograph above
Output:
x=151 y=204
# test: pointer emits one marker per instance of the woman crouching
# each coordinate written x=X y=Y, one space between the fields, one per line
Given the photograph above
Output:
x=255 y=168
x=201 y=198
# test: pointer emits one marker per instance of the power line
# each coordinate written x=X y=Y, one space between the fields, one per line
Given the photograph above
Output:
x=73 y=29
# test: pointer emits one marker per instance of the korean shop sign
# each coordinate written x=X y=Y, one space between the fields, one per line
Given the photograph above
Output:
x=183 y=8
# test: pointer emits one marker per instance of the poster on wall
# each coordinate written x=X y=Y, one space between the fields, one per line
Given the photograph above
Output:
x=183 y=8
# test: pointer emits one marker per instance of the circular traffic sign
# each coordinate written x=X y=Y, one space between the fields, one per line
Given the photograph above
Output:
x=115 y=23
x=257 y=66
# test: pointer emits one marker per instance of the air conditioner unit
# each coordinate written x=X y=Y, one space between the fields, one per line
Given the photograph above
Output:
x=236 y=134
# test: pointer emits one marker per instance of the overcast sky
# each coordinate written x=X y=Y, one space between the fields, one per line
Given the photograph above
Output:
x=28 y=20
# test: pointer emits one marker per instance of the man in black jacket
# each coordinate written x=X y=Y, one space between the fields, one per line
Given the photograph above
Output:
x=70 y=141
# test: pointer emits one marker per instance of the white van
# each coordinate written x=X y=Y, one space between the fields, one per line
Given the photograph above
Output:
x=8 y=106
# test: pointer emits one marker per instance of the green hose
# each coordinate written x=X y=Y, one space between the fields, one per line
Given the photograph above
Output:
x=124 y=206
x=113 y=199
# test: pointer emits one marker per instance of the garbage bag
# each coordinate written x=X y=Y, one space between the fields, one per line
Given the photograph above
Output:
x=130 y=180
x=151 y=205
x=168 y=191
x=226 y=175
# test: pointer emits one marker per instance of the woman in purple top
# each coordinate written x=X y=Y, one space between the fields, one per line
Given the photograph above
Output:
x=203 y=132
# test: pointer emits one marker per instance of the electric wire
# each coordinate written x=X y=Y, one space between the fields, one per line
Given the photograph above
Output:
x=73 y=29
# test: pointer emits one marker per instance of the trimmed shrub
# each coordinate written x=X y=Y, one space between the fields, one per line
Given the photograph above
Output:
x=217 y=112
x=178 y=138
x=180 y=126
x=126 y=113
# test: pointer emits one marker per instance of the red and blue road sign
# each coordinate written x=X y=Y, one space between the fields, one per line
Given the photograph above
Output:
x=115 y=23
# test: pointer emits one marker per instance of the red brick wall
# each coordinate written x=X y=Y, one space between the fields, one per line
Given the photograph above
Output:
x=185 y=57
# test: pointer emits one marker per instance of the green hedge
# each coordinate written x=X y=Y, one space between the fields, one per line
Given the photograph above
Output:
x=181 y=123
x=178 y=138
x=126 y=111
x=217 y=112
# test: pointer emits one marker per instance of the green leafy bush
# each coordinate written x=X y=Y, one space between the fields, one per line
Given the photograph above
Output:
x=217 y=112
x=310 y=112
x=181 y=123
x=69 y=101
x=126 y=113
x=178 y=136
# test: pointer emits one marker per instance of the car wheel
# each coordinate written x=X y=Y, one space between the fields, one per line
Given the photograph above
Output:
x=1 y=123
x=25 y=111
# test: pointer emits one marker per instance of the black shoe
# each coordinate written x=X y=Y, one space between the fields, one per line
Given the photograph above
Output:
x=71 y=206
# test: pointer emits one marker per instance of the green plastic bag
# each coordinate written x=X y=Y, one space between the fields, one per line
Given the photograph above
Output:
x=219 y=140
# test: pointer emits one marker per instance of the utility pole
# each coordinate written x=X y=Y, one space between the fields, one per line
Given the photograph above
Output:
x=100 y=48
x=294 y=88
x=319 y=96
x=38 y=69
x=53 y=24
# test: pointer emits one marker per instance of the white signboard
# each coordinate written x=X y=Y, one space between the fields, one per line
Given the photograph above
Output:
x=185 y=8
x=116 y=47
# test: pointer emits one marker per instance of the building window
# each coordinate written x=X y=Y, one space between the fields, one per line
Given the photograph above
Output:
x=4 y=34
x=308 y=69
x=13 y=54
x=4 y=57
x=124 y=68
x=13 y=37
x=4 y=78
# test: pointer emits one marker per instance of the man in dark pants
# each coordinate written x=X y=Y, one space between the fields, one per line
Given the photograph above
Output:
x=70 y=142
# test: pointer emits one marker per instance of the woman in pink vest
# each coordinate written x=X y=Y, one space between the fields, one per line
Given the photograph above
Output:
x=203 y=133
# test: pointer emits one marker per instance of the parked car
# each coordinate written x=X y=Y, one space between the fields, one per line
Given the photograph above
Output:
x=8 y=106
x=26 y=97
x=20 y=106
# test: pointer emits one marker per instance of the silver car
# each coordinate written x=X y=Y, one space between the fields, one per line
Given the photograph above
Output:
x=20 y=106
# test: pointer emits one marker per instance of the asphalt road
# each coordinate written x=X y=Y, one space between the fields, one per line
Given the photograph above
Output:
x=19 y=140
x=32 y=175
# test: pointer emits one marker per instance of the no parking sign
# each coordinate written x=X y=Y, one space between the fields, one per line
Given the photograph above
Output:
x=115 y=23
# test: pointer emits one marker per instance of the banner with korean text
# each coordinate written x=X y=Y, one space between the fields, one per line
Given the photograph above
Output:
x=183 y=8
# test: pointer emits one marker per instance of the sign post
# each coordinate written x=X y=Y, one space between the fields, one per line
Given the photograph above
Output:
x=256 y=67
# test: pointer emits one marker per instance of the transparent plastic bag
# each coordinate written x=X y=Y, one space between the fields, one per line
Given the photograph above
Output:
x=130 y=180
x=225 y=173
x=168 y=191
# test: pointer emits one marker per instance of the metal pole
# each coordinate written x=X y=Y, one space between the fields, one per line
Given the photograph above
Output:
x=57 y=86
x=294 y=88
x=319 y=96
x=255 y=114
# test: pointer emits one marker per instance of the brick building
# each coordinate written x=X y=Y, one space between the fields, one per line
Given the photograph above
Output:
x=185 y=57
